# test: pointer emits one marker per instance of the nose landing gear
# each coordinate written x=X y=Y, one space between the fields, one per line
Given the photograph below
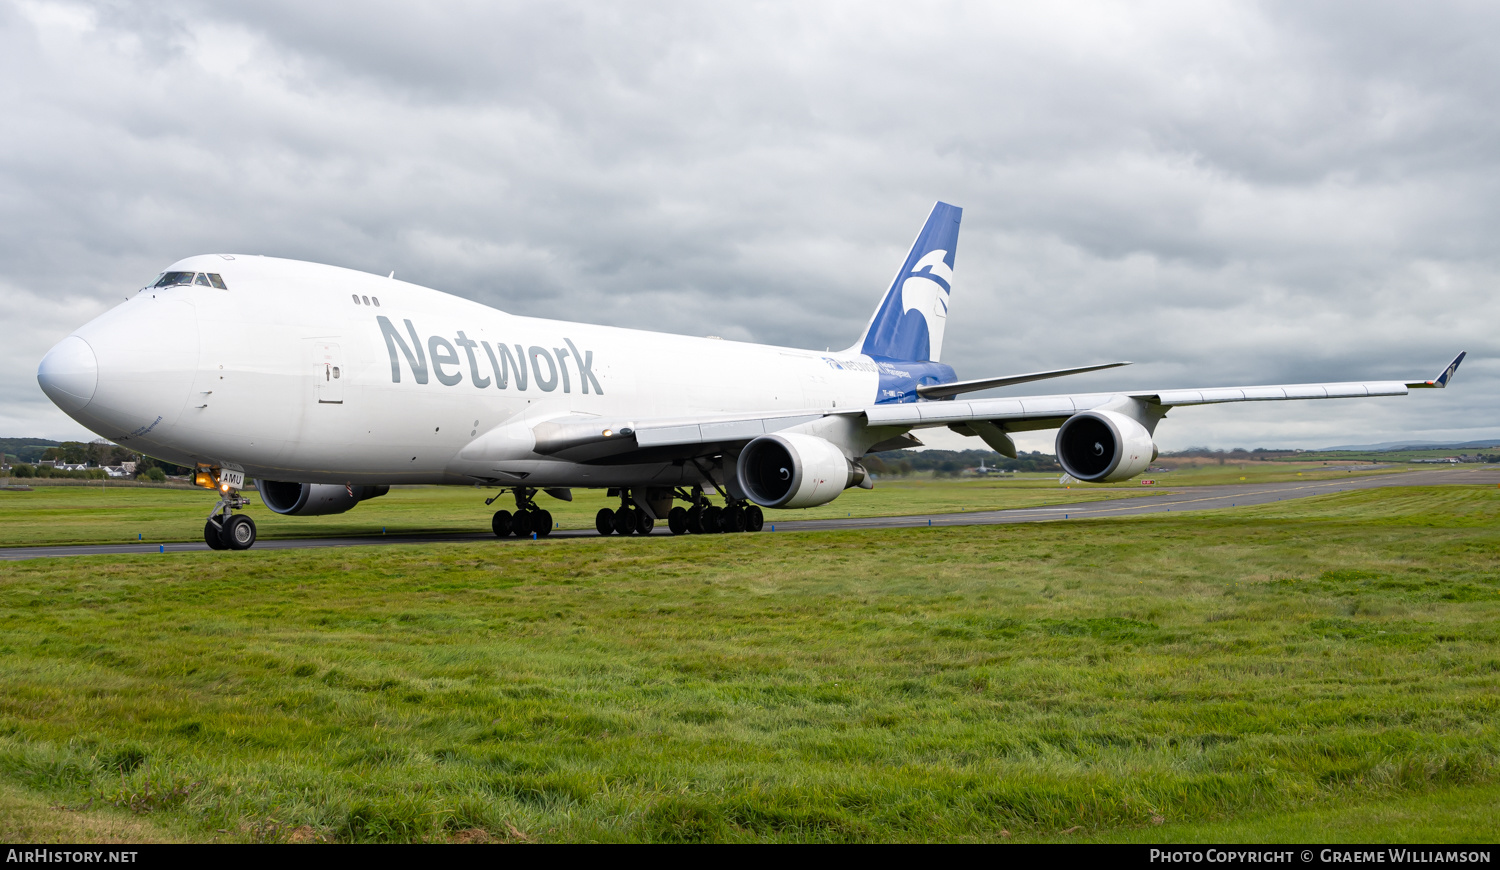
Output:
x=226 y=530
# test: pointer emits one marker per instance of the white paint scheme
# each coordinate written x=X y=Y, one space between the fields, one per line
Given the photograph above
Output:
x=196 y=375
x=242 y=379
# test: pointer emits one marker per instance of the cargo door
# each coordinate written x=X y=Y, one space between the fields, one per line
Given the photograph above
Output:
x=328 y=372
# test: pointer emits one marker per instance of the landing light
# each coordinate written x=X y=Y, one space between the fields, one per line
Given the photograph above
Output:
x=608 y=432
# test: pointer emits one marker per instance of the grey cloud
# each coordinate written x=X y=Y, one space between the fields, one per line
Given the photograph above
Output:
x=1224 y=192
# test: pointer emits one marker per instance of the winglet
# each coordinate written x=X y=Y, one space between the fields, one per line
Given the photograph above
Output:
x=1442 y=380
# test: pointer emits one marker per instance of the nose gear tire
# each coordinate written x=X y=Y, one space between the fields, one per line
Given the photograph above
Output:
x=239 y=532
x=213 y=536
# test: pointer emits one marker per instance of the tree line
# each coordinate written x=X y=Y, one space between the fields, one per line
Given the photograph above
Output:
x=952 y=463
x=26 y=455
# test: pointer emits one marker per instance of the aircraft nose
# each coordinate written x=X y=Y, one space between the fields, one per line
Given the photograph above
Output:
x=69 y=373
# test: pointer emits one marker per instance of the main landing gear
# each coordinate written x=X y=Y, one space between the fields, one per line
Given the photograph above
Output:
x=702 y=518
x=226 y=530
x=628 y=520
x=528 y=519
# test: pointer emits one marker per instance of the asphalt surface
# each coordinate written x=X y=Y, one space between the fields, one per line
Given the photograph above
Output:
x=1182 y=499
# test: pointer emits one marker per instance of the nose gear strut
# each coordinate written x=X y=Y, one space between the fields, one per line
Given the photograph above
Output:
x=226 y=530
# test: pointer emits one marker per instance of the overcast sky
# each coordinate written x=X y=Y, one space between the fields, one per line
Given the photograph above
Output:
x=1225 y=193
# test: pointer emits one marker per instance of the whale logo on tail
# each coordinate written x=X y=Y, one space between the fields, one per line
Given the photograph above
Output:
x=926 y=290
x=908 y=325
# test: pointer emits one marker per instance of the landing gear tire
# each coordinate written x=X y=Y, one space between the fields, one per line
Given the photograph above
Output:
x=500 y=523
x=711 y=520
x=677 y=521
x=643 y=522
x=755 y=519
x=213 y=536
x=541 y=522
x=604 y=521
x=695 y=520
x=520 y=524
x=239 y=532
x=732 y=519
x=625 y=521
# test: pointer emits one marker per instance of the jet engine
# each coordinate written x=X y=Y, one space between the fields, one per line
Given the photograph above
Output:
x=794 y=470
x=314 y=499
x=1103 y=446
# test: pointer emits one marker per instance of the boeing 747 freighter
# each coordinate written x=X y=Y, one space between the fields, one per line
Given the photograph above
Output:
x=326 y=386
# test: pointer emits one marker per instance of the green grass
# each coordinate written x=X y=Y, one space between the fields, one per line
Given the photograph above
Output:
x=113 y=514
x=1324 y=669
x=75 y=514
x=1212 y=474
x=1464 y=814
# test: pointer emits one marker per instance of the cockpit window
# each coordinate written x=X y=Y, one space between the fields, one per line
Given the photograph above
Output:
x=174 y=279
x=169 y=279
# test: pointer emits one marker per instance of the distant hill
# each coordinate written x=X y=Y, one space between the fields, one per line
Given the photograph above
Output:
x=1387 y=446
x=26 y=449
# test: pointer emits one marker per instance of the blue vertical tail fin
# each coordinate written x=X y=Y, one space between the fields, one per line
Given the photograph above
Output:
x=909 y=323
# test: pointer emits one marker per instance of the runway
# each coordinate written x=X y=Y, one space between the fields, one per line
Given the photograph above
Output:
x=1179 y=500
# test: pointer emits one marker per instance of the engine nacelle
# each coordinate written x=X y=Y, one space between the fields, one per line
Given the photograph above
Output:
x=314 y=499
x=794 y=470
x=1103 y=446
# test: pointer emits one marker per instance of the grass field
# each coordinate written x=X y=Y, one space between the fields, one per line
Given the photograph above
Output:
x=1319 y=669
x=93 y=514
x=1211 y=473
x=72 y=514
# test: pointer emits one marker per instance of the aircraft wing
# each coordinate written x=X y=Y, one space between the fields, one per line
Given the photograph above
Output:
x=595 y=439
x=1047 y=412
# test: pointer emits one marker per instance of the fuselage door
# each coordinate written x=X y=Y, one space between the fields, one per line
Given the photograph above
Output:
x=328 y=372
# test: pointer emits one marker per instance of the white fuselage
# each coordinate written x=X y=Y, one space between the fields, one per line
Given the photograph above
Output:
x=243 y=378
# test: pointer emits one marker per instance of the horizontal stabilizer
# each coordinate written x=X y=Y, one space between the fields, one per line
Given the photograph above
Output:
x=943 y=391
x=1441 y=380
